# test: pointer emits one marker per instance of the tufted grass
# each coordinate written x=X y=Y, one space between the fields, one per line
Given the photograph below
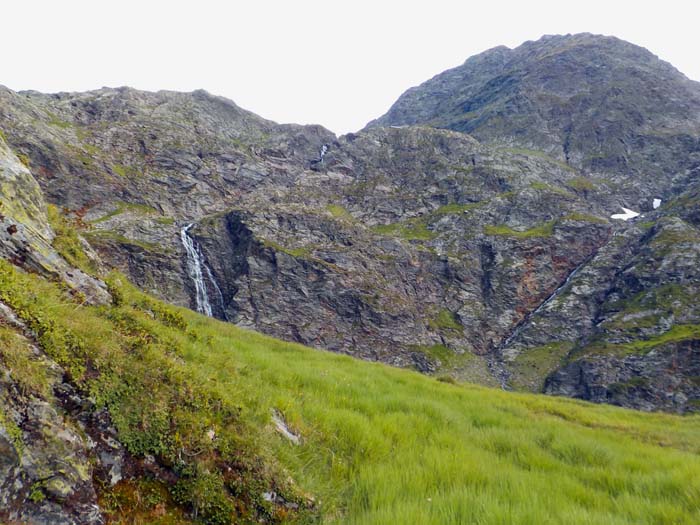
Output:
x=379 y=445
x=382 y=445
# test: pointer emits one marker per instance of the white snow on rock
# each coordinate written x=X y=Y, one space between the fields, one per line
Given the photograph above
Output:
x=656 y=203
x=629 y=214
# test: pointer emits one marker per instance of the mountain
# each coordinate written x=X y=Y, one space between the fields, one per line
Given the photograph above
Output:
x=489 y=257
x=496 y=256
x=599 y=104
x=615 y=112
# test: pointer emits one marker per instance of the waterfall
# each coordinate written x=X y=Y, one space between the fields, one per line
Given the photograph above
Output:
x=219 y=295
x=196 y=267
x=322 y=152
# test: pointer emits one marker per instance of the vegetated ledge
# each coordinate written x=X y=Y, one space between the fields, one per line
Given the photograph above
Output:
x=676 y=334
x=545 y=229
x=542 y=230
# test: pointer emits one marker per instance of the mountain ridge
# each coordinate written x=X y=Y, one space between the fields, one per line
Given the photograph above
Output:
x=496 y=260
x=415 y=246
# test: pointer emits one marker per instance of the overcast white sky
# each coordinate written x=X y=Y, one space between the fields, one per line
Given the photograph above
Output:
x=339 y=64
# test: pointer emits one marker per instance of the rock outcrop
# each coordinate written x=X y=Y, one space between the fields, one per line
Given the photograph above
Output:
x=600 y=104
x=45 y=457
x=25 y=233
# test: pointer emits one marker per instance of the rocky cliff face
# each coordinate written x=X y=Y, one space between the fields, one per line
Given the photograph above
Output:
x=45 y=468
x=67 y=454
x=623 y=329
x=493 y=260
x=25 y=234
x=45 y=457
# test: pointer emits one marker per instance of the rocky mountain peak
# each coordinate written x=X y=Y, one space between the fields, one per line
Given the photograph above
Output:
x=597 y=103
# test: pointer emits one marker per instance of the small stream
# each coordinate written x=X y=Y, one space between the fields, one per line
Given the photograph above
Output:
x=524 y=322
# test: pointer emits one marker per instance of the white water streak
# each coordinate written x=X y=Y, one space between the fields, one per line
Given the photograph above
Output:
x=322 y=152
x=550 y=299
x=219 y=295
x=195 y=264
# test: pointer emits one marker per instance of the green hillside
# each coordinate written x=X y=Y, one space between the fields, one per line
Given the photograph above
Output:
x=378 y=445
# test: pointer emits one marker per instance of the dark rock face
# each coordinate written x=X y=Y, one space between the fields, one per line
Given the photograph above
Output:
x=494 y=260
x=659 y=379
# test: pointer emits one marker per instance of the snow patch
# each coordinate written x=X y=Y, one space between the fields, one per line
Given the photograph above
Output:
x=629 y=214
x=656 y=203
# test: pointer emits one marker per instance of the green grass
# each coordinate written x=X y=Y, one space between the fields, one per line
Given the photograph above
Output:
x=24 y=159
x=390 y=446
x=338 y=211
x=303 y=252
x=676 y=334
x=101 y=236
x=541 y=186
x=410 y=230
x=449 y=359
x=581 y=184
x=668 y=237
x=532 y=366
x=446 y=320
x=128 y=358
x=13 y=431
x=379 y=445
x=66 y=242
x=584 y=217
x=455 y=208
x=27 y=371
x=538 y=154
x=55 y=120
x=124 y=171
x=646 y=308
x=542 y=230
x=137 y=209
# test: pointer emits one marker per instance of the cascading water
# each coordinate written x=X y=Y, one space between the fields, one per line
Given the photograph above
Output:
x=496 y=367
x=195 y=266
x=219 y=295
x=322 y=152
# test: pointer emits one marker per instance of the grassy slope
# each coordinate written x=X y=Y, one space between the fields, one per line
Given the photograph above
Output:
x=390 y=446
x=380 y=445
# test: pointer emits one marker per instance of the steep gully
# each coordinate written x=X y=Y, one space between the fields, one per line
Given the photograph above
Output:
x=496 y=365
